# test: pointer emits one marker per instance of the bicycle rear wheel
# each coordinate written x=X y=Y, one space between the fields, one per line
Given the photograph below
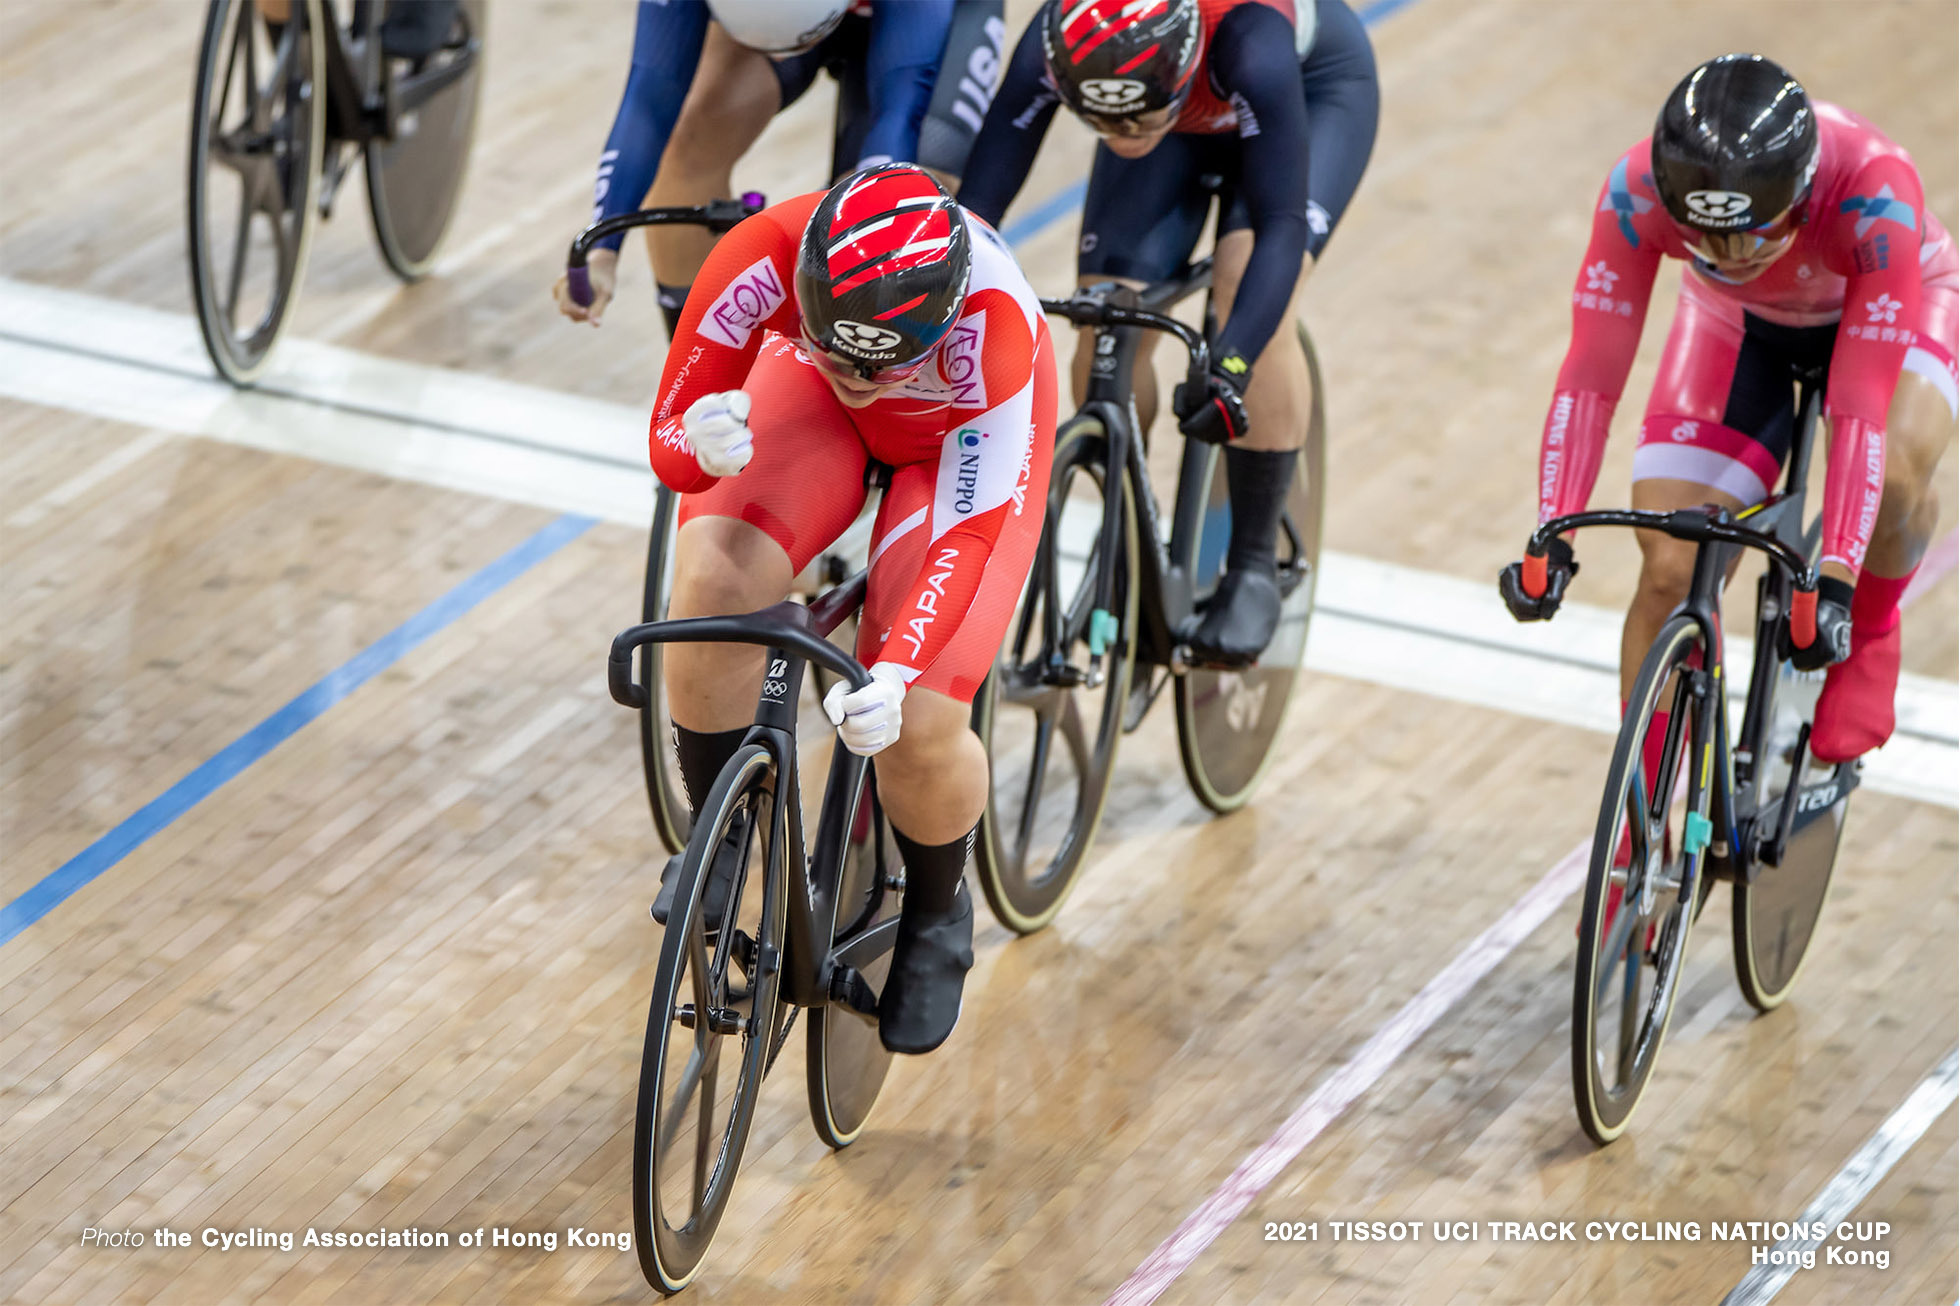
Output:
x=1042 y=811
x=1650 y=841
x=1775 y=915
x=666 y=792
x=846 y=1063
x=258 y=132
x=711 y=1030
x=414 y=180
x=1228 y=721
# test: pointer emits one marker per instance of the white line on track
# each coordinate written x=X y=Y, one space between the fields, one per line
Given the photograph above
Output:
x=1851 y=1185
x=1354 y=1077
x=1402 y=627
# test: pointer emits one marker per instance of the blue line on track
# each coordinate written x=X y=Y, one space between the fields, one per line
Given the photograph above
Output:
x=1068 y=201
x=268 y=734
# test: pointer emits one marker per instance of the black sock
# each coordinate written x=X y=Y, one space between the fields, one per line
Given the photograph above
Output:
x=932 y=872
x=1256 y=482
x=702 y=756
x=672 y=300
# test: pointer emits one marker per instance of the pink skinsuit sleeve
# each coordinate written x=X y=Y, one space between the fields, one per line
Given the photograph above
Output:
x=1609 y=307
x=1875 y=234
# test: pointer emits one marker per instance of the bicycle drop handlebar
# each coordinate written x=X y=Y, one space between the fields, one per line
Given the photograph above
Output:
x=1701 y=526
x=717 y=216
x=1094 y=310
x=789 y=626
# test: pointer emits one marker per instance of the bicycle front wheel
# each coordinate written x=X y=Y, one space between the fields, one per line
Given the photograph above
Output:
x=712 y=1028
x=1051 y=735
x=1647 y=852
x=258 y=131
x=414 y=180
x=1229 y=721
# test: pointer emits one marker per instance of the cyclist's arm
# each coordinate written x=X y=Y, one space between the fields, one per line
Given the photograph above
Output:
x=1875 y=237
x=983 y=469
x=1252 y=57
x=908 y=39
x=1609 y=307
x=746 y=288
x=1011 y=133
x=667 y=37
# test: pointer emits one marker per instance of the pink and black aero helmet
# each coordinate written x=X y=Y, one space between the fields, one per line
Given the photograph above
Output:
x=882 y=271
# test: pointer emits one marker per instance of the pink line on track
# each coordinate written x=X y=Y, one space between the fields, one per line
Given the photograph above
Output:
x=1359 y=1072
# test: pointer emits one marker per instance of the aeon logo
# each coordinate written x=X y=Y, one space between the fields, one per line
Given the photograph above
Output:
x=960 y=361
x=741 y=308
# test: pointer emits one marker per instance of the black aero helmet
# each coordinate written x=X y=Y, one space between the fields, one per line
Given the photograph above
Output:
x=882 y=271
x=1735 y=145
x=1120 y=58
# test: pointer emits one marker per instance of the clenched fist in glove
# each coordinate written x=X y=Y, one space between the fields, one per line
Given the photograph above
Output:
x=717 y=430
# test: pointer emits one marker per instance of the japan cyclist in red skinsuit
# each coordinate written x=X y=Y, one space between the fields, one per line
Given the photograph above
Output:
x=877 y=321
x=1807 y=241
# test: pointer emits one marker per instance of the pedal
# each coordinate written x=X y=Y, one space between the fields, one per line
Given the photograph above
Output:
x=849 y=989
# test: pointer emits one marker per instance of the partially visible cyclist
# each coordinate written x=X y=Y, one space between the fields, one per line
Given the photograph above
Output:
x=700 y=92
x=876 y=323
x=1807 y=241
x=1273 y=113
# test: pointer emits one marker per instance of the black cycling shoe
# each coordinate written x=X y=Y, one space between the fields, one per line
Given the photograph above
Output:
x=1238 y=620
x=721 y=879
x=921 y=1002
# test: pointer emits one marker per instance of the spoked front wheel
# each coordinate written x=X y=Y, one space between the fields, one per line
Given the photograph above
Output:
x=1051 y=713
x=414 y=180
x=713 y=1027
x=1648 y=847
x=258 y=128
x=1228 y=721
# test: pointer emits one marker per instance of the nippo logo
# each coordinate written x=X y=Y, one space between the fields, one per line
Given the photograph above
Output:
x=865 y=340
x=1727 y=208
x=1112 y=94
x=749 y=299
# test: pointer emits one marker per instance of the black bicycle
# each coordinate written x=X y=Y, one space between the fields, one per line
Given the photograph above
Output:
x=798 y=932
x=1111 y=585
x=1753 y=808
x=281 y=112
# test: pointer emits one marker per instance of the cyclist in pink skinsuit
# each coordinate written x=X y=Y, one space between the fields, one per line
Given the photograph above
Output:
x=1842 y=264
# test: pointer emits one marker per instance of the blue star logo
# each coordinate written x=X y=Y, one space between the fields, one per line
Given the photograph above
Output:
x=1620 y=199
x=1882 y=207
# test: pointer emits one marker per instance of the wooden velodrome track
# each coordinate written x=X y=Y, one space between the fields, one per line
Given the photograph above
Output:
x=394 y=973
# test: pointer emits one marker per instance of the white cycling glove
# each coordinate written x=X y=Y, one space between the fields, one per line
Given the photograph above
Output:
x=717 y=430
x=868 y=719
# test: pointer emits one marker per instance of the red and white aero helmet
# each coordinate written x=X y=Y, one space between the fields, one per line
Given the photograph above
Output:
x=779 y=27
x=882 y=272
x=1120 y=58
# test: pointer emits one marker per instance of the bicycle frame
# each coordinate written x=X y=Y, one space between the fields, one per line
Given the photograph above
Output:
x=1167 y=595
x=355 y=116
x=818 y=966
x=1776 y=528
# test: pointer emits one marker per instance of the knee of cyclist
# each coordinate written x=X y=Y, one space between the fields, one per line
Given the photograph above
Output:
x=1667 y=569
x=715 y=591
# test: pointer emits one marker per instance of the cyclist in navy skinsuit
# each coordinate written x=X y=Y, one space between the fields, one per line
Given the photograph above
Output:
x=700 y=92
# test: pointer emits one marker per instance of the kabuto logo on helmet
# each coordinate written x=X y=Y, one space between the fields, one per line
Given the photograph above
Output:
x=1719 y=208
x=863 y=340
x=1112 y=94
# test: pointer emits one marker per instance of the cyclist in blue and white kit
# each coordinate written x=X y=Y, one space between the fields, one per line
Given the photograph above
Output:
x=708 y=75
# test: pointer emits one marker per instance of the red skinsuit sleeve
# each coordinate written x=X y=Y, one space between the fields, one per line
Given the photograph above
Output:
x=745 y=288
x=1609 y=307
x=1873 y=239
x=983 y=469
